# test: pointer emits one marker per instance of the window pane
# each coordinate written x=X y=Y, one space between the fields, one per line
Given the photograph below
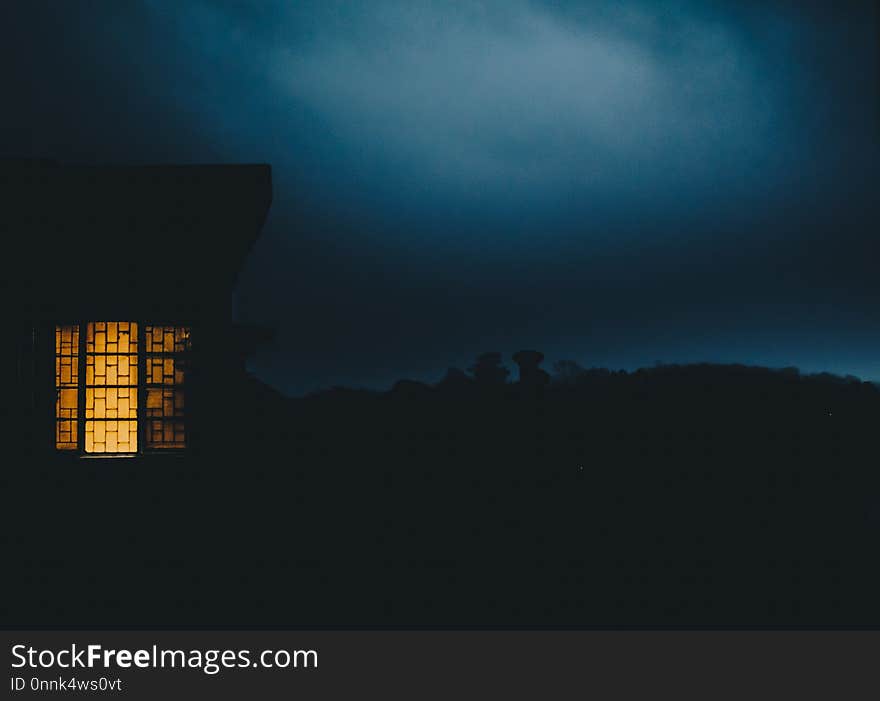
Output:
x=111 y=436
x=166 y=361
x=111 y=387
x=66 y=386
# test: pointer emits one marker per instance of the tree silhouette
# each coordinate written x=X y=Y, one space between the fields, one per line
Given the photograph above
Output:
x=488 y=370
x=530 y=372
x=455 y=380
x=567 y=371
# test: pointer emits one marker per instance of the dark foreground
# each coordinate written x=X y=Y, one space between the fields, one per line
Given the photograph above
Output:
x=700 y=496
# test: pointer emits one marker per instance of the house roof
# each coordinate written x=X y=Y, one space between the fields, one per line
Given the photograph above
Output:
x=156 y=235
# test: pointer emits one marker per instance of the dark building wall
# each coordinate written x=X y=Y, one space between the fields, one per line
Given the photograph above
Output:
x=162 y=244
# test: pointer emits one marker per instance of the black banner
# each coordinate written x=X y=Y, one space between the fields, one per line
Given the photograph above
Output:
x=444 y=664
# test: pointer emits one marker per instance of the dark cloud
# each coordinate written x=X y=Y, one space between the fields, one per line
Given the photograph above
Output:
x=617 y=182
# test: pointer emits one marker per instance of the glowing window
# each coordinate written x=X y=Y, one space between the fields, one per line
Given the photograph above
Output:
x=118 y=392
x=166 y=350
x=111 y=424
x=66 y=387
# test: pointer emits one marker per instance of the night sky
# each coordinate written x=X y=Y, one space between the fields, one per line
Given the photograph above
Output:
x=618 y=183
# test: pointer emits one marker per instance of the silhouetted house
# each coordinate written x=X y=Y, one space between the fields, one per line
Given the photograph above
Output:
x=120 y=303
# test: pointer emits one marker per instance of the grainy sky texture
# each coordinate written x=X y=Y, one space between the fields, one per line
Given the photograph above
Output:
x=615 y=182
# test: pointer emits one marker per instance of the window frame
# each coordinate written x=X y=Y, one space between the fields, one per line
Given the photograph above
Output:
x=142 y=386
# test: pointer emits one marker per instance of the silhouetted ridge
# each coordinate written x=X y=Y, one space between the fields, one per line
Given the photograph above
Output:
x=570 y=379
x=674 y=495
